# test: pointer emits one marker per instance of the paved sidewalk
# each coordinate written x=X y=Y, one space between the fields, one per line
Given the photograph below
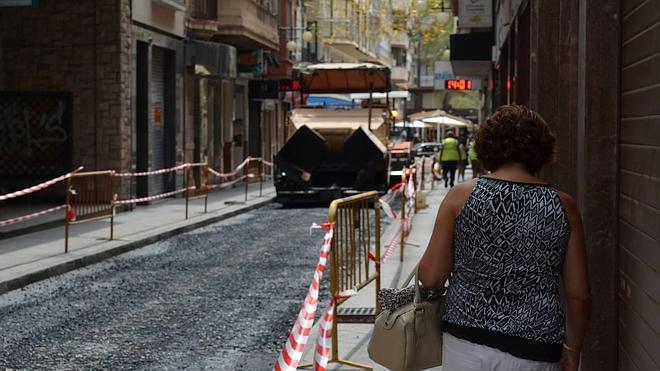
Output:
x=354 y=338
x=29 y=258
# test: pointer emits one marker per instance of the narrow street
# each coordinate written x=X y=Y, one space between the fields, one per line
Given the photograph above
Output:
x=221 y=297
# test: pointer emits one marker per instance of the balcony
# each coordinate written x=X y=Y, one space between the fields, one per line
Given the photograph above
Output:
x=426 y=81
x=205 y=9
x=400 y=39
x=399 y=75
x=245 y=23
x=348 y=38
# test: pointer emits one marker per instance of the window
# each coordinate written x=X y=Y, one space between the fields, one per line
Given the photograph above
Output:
x=399 y=56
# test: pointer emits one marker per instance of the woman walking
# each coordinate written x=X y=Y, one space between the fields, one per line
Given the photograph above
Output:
x=474 y=159
x=462 y=163
x=449 y=156
x=505 y=242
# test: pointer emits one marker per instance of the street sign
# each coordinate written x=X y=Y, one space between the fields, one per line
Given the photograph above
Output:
x=475 y=13
x=251 y=62
x=458 y=84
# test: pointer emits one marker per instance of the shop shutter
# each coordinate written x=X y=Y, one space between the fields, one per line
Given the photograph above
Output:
x=156 y=183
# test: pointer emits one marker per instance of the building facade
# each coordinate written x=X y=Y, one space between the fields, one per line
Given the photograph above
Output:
x=65 y=82
x=136 y=86
x=591 y=69
x=157 y=65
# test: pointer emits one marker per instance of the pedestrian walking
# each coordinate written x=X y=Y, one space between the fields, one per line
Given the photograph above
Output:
x=505 y=241
x=449 y=156
x=462 y=163
x=474 y=158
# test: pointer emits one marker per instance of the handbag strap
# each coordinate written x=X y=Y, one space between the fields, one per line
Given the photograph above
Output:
x=418 y=292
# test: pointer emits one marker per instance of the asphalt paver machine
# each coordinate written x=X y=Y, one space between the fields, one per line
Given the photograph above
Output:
x=334 y=153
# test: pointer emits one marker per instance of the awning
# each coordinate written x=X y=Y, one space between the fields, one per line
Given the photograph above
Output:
x=330 y=101
x=415 y=125
x=446 y=120
x=350 y=50
x=211 y=59
x=426 y=114
x=344 y=78
x=397 y=94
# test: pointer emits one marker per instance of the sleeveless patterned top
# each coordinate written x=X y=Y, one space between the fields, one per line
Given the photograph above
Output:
x=509 y=245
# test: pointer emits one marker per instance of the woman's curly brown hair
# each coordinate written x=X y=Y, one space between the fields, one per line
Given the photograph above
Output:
x=515 y=134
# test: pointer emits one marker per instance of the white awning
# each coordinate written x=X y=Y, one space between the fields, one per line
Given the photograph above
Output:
x=397 y=94
x=445 y=120
x=415 y=124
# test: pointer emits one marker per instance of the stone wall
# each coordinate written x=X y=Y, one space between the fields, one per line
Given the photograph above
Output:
x=81 y=47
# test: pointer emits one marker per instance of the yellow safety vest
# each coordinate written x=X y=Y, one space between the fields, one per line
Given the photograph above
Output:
x=473 y=150
x=450 y=150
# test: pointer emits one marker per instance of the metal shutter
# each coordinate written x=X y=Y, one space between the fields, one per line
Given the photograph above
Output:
x=156 y=184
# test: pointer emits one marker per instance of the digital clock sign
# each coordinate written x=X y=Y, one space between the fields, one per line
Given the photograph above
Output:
x=458 y=84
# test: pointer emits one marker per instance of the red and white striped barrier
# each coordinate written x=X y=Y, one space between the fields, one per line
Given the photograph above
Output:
x=324 y=340
x=229 y=175
x=292 y=353
x=267 y=163
x=152 y=198
x=392 y=193
x=392 y=246
x=387 y=209
x=38 y=187
x=154 y=172
x=30 y=216
x=226 y=184
x=384 y=201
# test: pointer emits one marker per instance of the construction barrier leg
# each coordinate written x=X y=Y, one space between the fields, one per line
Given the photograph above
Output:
x=187 y=194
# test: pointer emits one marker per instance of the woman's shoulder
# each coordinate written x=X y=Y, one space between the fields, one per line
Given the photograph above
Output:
x=569 y=204
x=459 y=194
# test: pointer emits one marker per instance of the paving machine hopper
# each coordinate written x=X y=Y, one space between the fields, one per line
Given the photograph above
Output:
x=334 y=153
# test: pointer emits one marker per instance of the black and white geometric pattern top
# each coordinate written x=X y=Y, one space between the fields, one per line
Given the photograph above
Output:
x=509 y=245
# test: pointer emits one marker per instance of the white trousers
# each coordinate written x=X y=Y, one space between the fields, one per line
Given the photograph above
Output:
x=462 y=355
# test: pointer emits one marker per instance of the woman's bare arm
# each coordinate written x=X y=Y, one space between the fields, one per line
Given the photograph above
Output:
x=575 y=278
x=438 y=259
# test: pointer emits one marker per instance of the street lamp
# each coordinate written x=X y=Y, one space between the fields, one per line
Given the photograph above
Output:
x=421 y=5
x=307 y=36
x=291 y=46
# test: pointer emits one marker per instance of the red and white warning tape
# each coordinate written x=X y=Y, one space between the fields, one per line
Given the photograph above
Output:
x=154 y=172
x=30 y=216
x=38 y=187
x=292 y=353
x=229 y=175
x=225 y=184
x=392 y=246
x=267 y=163
x=387 y=209
x=218 y=174
x=152 y=198
x=324 y=340
x=392 y=193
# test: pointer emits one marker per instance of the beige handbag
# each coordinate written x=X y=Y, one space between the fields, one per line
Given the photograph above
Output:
x=409 y=338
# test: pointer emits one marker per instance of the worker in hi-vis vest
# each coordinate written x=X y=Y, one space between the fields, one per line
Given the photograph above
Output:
x=474 y=159
x=449 y=156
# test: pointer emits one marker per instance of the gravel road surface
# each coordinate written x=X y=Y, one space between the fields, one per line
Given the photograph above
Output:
x=223 y=297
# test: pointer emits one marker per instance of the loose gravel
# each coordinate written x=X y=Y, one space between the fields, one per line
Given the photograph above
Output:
x=223 y=297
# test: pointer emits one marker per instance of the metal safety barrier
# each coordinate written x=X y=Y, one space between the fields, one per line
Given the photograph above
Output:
x=253 y=173
x=355 y=257
x=90 y=196
x=197 y=180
